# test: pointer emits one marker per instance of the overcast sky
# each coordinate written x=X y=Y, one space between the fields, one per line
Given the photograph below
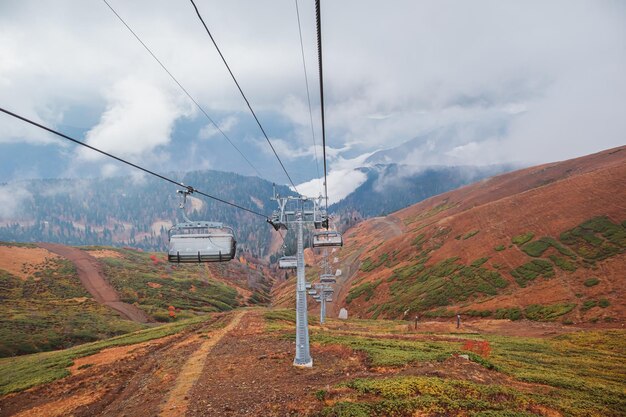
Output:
x=469 y=82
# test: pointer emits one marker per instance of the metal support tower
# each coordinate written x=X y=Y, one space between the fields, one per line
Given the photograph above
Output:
x=303 y=354
x=326 y=269
x=323 y=291
x=323 y=309
x=300 y=210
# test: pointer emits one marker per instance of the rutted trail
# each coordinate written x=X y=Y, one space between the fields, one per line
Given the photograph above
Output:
x=250 y=373
x=90 y=276
x=178 y=400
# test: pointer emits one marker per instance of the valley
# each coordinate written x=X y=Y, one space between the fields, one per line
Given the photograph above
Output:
x=538 y=284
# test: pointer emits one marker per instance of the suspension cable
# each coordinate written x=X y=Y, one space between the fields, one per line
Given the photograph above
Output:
x=163 y=177
x=319 y=55
x=243 y=95
x=308 y=94
x=183 y=88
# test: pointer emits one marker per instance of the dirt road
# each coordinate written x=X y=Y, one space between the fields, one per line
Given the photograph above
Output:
x=91 y=277
x=120 y=381
x=178 y=401
x=250 y=373
x=393 y=226
x=229 y=366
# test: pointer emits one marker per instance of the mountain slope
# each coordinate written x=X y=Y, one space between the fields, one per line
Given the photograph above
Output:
x=543 y=243
x=49 y=303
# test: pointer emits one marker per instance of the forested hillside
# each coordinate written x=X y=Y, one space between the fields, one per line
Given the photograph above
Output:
x=125 y=211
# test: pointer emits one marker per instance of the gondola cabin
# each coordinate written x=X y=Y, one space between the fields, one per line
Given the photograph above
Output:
x=194 y=242
x=327 y=238
x=288 y=262
x=328 y=278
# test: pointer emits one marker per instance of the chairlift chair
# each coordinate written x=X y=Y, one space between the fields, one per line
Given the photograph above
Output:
x=312 y=292
x=202 y=241
x=327 y=238
x=288 y=262
x=328 y=278
x=308 y=285
x=329 y=299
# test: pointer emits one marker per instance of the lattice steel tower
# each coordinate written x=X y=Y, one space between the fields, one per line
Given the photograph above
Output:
x=300 y=210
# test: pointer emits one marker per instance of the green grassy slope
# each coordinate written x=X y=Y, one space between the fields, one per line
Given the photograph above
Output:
x=573 y=374
x=431 y=289
x=51 y=310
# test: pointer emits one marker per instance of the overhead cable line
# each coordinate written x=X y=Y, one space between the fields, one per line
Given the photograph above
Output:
x=308 y=94
x=243 y=95
x=183 y=88
x=163 y=177
x=319 y=55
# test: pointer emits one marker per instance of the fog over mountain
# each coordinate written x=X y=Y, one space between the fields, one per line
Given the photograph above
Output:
x=442 y=83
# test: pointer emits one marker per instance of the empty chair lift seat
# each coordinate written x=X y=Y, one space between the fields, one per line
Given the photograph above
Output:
x=195 y=242
x=328 y=238
x=288 y=262
x=328 y=278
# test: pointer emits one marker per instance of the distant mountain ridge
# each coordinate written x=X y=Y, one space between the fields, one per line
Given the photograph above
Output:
x=125 y=211
x=391 y=187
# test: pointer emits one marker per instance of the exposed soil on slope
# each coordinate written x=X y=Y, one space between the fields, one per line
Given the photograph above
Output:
x=22 y=261
x=90 y=275
x=105 y=253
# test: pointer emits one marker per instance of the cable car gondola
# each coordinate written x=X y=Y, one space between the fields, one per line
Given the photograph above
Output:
x=288 y=262
x=200 y=241
x=327 y=238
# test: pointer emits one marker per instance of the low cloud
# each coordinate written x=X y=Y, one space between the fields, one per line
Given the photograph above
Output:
x=138 y=119
x=340 y=183
x=225 y=125
x=12 y=200
x=521 y=82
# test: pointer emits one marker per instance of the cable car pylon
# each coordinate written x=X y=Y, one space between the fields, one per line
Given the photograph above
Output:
x=299 y=210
